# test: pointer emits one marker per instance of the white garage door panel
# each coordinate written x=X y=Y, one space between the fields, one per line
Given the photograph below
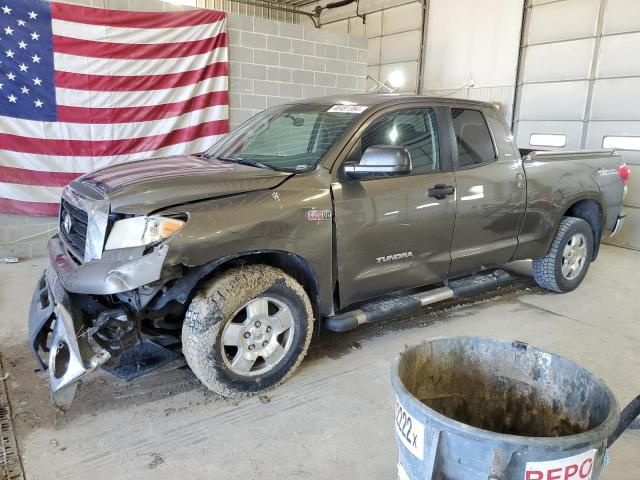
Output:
x=621 y=16
x=410 y=70
x=554 y=101
x=616 y=99
x=564 y=20
x=598 y=130
x=373 y=54
x=559 y=61
x=619 y=55
x=374 y=24
x=573 y=131
x=400 y=47
x=401 y=19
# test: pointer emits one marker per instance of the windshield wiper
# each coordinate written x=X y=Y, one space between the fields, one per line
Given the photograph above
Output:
x=245 y=161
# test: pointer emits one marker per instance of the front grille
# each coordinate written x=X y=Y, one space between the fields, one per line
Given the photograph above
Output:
x=73 y=231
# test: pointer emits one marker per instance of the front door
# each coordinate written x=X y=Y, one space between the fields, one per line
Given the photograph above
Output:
x=395 y=232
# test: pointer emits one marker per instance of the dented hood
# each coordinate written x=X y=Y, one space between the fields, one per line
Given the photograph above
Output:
x=150 y=185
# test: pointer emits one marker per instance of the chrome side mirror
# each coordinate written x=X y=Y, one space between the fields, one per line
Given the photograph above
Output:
x=380 y=161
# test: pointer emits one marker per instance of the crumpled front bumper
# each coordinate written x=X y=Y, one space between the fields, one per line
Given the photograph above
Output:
x=58 y=334
x=58 y=338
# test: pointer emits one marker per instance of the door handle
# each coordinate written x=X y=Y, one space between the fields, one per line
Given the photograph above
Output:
x=441 y=191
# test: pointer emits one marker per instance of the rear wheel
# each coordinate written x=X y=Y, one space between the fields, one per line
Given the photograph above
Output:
x=567 y=262
x=247 y=330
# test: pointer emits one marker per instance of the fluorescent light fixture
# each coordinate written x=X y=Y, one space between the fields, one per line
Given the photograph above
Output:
x=621 y=143
x=548 y=140
x=396 y=79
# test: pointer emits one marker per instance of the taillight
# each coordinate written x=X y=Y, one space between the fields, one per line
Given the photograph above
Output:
x=625 y=172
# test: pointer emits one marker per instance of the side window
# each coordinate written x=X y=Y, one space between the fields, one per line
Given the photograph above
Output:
x=413 y=129
x=474 y=141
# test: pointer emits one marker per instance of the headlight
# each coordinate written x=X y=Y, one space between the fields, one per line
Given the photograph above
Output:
x=140 y=231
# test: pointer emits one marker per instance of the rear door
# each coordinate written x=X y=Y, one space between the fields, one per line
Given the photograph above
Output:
x=392 y=233
x=491 y=191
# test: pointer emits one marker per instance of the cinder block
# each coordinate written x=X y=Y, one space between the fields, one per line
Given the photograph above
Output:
x=237 y=115
x=312 y=91
x=326 y=51
x=240 y=85
x=336 y=66
x=275 y=101
x=241 y=54
x=265 y=26
x=256 y=102
x=234 y=37
x=34 y=232
x=266 y=57
x=240 y=22
x=235 y=69
x=303 y=47
x=291 y=60
x=315 y=64
x=357 y=41
x=257 y=72
x=361 y=84
x=278 y=74
x=325 y=79
x=291 y=30
x=303 y=77
x=234 y=100
x=263 y=87
x=253 y=40
x=8 y=219
x=20 y=250
x=362 y=56
x=279 y=44
x=50 y=221
x=358 y=69
x=348 y=54
x=38 y=249
x=290 y=90
x=315 y=34
x=336 y=91
x=337 y=38
x=347 y=81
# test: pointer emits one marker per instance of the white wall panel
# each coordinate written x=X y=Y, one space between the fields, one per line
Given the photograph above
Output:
x=616 y=99
x=400 y=47
x=599 y=129
x=373 y=56
x=559 y=61
x=553 y=101
x=410 y=71
x=402 y=18
x=565 y=20
x=475 y=41
x=573 y=131
x=622 y=16
x=620 y=55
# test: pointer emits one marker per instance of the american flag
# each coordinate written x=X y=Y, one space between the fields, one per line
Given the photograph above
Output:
x=82 y=88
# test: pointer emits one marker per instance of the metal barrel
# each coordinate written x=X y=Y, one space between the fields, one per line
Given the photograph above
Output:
x=471 y=408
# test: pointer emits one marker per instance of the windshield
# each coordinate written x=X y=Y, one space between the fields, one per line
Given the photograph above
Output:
x=289 y=137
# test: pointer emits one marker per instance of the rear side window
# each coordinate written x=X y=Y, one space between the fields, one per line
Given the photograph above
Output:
x=414 y=129
x=475 y=145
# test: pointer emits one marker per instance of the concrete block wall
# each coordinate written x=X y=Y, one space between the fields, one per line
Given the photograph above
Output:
x=272 y=63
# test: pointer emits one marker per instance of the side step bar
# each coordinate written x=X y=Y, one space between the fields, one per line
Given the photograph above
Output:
x=389 y=307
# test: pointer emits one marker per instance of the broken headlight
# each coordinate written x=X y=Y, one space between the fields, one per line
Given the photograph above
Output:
x=141 y=231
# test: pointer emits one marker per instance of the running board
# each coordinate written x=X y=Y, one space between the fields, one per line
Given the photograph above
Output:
x=389 y=307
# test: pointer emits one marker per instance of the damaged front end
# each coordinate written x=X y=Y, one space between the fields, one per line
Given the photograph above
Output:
x=67 y=342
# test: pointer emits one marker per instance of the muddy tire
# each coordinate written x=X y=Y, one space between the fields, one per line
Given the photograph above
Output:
x=247 y=330
x=567 y=262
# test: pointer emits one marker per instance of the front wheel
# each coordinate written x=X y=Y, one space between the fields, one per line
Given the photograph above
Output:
x=567 y=262
x=247 y=331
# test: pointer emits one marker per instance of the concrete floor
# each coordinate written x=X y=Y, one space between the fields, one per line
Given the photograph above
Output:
x=333 y=419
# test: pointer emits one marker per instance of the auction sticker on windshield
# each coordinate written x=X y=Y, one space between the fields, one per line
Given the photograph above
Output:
x=348 y=108
x=578 y=467
x=410 y=431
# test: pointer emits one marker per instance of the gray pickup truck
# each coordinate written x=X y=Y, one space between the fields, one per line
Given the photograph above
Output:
x=337 y=211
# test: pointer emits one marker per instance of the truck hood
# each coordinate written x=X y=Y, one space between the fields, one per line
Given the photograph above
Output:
x=149 y=185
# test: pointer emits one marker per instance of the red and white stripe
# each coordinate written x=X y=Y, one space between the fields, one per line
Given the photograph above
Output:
x=129 y=85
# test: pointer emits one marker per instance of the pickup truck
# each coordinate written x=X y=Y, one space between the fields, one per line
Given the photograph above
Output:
x=336 y=211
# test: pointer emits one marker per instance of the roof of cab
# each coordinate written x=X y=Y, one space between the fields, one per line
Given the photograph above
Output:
x=375 y=99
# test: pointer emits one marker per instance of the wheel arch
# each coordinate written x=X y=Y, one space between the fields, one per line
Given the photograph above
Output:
x=590 y=210
x=297 y=267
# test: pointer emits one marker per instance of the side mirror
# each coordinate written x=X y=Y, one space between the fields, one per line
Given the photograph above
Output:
x=381 y=161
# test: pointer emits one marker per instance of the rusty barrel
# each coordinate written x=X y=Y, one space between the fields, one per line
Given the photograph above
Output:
x=471 y=408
